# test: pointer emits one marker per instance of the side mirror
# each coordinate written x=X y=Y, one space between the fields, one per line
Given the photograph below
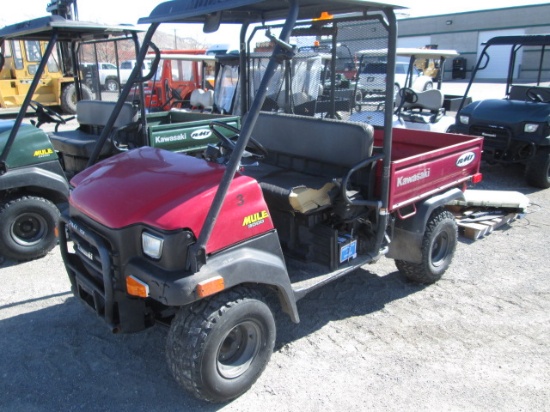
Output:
x=212 y=22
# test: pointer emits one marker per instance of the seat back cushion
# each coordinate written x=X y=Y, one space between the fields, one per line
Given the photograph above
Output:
x=428 y=99
x=97 y=113
x=328 y=141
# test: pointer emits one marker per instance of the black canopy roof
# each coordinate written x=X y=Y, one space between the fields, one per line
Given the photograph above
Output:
x=527 y=40
x=67 y=30
x=253 y=11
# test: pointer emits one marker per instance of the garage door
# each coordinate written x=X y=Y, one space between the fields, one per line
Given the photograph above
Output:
x=499 y=55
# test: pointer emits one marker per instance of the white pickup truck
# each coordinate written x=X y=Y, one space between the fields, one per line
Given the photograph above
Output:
x=109 y=77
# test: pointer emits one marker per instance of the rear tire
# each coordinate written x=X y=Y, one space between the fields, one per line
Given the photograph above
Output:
x=537 y=172
x=69 y=98
x=111 y=85
x=218 y=347
x=438 y=247
x=27 y=227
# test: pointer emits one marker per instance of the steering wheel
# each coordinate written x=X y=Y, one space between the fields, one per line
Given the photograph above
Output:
x=45 y=114
x=408 y=95
x=253 y=147
x=534 y=95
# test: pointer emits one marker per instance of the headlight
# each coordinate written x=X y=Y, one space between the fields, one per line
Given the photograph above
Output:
x=152 y=245
x=464 y=119
x=531 y=127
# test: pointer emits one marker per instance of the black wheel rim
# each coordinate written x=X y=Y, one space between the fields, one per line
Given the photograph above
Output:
x=238 y=349
x=440 y=249
x=28 y=229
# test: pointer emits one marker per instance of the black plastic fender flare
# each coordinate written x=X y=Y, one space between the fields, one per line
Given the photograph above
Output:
x=47 y=179
x=257 y=261
x=408 y=233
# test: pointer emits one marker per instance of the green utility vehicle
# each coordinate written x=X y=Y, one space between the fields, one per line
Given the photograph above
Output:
x=35 y=166
x=33 y=185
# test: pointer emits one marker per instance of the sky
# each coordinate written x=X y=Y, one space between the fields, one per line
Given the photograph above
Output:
x=129 y=11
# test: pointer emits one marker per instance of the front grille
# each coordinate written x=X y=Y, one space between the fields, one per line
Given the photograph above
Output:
x=86 y=247
x=494 y=137
x=91 y=270
x=94 y=255
x=89 y=255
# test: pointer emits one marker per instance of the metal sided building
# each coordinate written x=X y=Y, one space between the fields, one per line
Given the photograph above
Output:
x=465 y=32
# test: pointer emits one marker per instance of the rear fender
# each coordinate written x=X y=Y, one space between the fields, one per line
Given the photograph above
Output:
x=408 y=233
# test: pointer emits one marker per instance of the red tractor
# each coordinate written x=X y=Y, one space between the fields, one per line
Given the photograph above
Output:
x=179 y=73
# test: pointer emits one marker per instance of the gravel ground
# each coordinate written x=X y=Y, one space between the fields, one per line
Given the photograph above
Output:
x=475 y=341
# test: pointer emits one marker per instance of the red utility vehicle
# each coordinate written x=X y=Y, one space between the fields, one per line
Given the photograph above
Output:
x=213 y=245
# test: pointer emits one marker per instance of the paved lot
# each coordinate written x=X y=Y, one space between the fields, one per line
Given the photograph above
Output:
x=476 y=340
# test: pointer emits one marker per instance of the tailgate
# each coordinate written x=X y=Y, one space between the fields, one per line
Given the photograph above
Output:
x=425 y=163
x=184 y=135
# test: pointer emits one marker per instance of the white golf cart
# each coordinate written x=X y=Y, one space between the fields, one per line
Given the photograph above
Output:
x=419 y=102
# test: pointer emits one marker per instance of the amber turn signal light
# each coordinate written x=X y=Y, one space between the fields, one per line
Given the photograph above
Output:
x=210 y=286
x=136 y=287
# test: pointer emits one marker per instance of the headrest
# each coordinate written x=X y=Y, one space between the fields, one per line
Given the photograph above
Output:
x=202 y=98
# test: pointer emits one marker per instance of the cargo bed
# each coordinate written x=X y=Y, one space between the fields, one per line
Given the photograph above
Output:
x=423 y=164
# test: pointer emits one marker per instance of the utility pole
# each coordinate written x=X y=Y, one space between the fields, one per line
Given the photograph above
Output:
x=67 y=9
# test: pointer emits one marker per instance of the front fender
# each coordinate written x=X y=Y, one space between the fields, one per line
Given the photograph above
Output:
x=47 y=177
x=256 y=261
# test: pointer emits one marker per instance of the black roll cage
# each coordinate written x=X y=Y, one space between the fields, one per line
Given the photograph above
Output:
x=55 y=29
x=170 y=12
x=516 y=43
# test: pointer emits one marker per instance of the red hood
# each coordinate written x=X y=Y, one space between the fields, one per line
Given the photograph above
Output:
x=143 y=184
x=168 y=191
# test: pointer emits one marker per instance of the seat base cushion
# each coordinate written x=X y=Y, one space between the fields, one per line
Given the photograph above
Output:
x=77 y=143
x=292 y=191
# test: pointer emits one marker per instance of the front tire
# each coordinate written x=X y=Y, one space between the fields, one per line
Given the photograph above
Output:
x=27 y=227
x=396 y=89
x=537 y=172
x=218 y=347
x=438 y=247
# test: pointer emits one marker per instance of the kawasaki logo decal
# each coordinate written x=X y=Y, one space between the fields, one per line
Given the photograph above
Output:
x=405 y=180
x=465 y=159
x=168 y=139
x=201 y=134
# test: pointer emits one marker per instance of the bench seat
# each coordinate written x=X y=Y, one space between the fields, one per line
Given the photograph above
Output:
x=92 y=116
x=307 y=158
